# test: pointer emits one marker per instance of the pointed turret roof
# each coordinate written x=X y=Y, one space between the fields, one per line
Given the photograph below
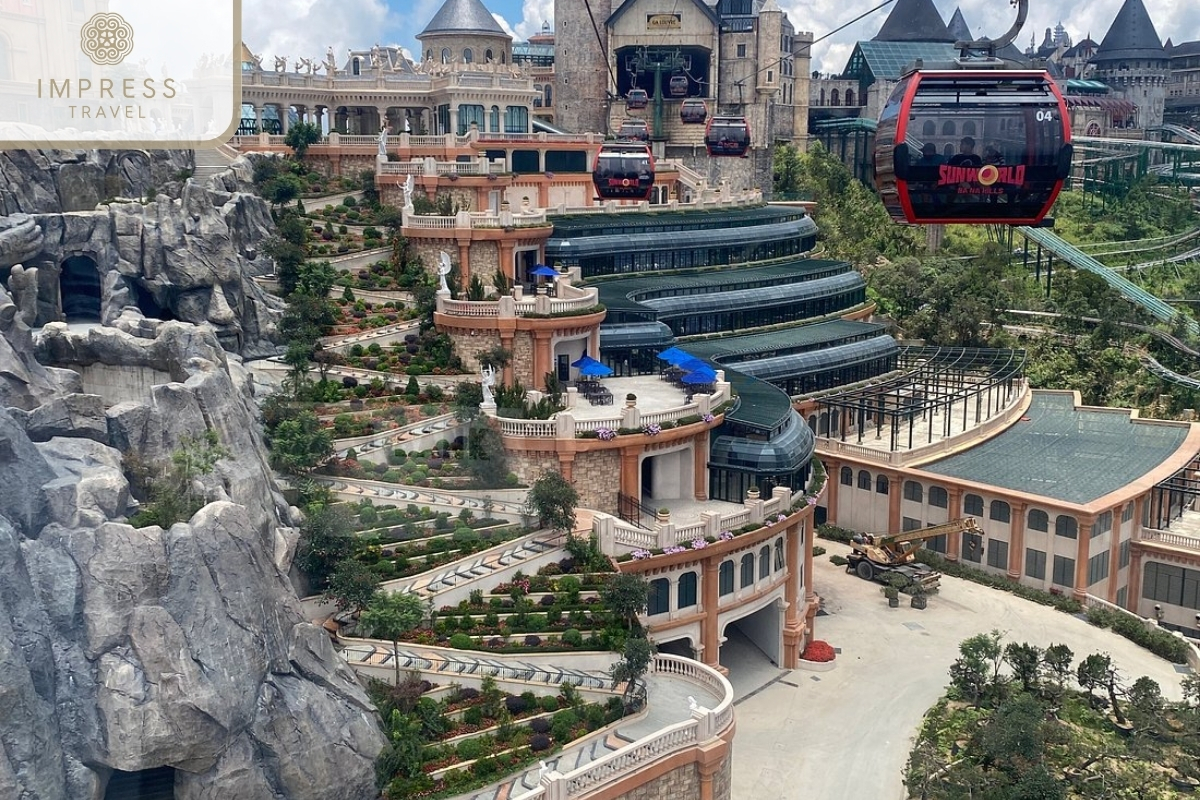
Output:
x=958 y=27
x=462 y=16
x=914 y=21
x=1131 y=35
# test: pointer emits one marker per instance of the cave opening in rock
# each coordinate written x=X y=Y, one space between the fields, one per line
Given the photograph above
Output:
x=148 y=305
x=79 y=286
x=146 y=784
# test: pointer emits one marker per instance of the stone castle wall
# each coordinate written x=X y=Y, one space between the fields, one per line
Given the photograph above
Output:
x=597 y=478
x=679 y=783
x=529 y=466
x=469 y=347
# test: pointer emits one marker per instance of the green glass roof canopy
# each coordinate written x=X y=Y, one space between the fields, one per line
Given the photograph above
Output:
x=666 y=221
x=571 y=247
x=789 y=450
x=794 y=365
x=761 y=297
x=1071 y=454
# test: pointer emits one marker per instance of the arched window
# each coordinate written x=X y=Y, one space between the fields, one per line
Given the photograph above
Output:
x=356 y=67
x=929 y=128
x=780 y=561
x=1066 y=526
x=937 y=497
x=948 y=128
x=494 y=121
x=516 y=119
x=445 y=55
x=659 y=601
x=864 y=480
x=429 y=55
x=834 y=97
x=1037 y=520
x=973 y=504
x=503 y=58
x=764 y=562
x=849 y=97
x=913 y=491
x=725 y=579
x=881 y=484
x=5 y=69
x=847 y=476
x=686 y=594
x=487 y=56
x=968 y=128
x=468 y=55
x=747 y=570
x=999 y=511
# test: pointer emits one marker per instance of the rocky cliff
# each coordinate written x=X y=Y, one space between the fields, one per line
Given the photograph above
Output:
x=131 y=649
x=186 y=250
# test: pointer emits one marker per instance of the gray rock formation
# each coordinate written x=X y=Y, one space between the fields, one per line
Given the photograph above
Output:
x=189 y=257
x=129 y=648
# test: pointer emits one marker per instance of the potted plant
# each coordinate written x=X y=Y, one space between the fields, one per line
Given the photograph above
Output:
x=893 y=596
x=919 y=597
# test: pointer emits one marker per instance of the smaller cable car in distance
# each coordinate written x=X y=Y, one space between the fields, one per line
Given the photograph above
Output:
x=727 y=136
x=635 y=129
x=988 y=146
x=637 y=98
x=678 y=85
x=693 y=111
x=624 y=170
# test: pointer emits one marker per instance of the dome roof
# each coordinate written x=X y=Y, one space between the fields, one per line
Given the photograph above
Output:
x=463 y=16
x=1132 y=35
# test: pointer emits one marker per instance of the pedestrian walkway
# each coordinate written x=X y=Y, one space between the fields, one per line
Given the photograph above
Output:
x=475 y=568
x=210 y=162
x=464 y=662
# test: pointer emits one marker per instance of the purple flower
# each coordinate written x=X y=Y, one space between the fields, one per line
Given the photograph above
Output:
x=638 y=555
x=606 y=434
x=699 y=544
x=812 y=501
x=652 y=430
x=781 y=518
x=708 y=418
x=725 y=536
x=675 y=548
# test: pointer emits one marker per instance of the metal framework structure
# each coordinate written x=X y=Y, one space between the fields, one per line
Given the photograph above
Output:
x=1168 y=498
x=934 y=379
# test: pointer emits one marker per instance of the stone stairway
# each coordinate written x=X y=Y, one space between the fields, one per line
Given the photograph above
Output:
x=568 y=760
x=464 y=662
x=210 y=162
x=473 y=568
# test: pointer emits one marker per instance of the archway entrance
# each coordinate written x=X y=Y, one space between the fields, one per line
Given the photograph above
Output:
x=146 y=784
x=79 y=289
x=667 y=476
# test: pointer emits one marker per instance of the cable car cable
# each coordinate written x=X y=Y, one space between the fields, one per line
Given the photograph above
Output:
x=600 y=42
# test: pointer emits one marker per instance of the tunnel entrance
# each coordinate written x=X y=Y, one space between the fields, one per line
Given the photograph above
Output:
x=145 y=784
x=148 y=305
x=79 y=289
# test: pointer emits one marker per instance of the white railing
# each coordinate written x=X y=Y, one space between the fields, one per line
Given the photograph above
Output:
x=441 y=223
x=528 y=428
x=1169 y=539
x=401 y=168
x=704 y=725
x=470 y=308
x=373 y=441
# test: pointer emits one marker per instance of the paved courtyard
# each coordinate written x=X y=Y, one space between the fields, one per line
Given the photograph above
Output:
x=846 y=734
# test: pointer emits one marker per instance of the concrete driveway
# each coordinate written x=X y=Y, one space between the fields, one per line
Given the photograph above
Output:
x=846 y=734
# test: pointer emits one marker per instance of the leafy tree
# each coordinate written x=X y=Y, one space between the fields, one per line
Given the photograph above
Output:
x=1146 y=704
x=485 y=459
x=301 y=135
x=552 y=499
x=1097 y=672
x=467 y=397
x=977 y=671
x=1058 y=658
x=391 y=615
x=315 y=279
x=626 y=595
x=497 y=357
x=1025 y=660
x=635 y=661
x=282 y=189
x=288 y=258
x=299 y=445
x=366 y=183
x=326 y=539
x=353 y=585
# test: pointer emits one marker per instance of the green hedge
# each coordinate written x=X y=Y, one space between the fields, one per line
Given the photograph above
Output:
x=956 y=569
x=835 y=534
x=1160 y=642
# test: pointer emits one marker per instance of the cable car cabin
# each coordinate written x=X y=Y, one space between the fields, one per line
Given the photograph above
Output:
x=637 y=98
x=624 y=170
x=727 y=136
x=972 y=147
x=634 y=129
x=678 y=85
x=693 y=112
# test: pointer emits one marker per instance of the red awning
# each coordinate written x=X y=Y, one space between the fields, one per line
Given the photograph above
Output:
x=1117 y=106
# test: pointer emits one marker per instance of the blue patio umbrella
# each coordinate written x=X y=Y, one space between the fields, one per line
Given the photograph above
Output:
x=673 y=355
x=705 y=375
x=594 y=369
x=691 y=364
x=583 y=359
x=542 y=271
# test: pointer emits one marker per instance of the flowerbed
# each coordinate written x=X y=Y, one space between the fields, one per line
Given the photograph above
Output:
x=819 y=652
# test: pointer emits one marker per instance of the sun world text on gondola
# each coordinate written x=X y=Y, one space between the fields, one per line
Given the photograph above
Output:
x=985 y=175
x=84 y=89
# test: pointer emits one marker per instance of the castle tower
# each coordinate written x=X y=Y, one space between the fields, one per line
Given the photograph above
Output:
x=581 y=76
x=1131 y=59
x=464 y=31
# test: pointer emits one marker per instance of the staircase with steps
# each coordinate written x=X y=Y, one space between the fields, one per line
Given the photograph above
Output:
x=440 y=665
x=474 y=568
x=209 y=162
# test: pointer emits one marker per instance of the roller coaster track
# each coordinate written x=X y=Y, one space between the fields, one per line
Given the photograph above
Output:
x=1187 y=134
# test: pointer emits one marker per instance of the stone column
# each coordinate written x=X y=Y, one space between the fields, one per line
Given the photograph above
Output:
x=1114 y=552
x=709 y=638
x=1082 y=551
x=798 y=567
x=464 y=259
x=833 y=473
x=630 y=478
x=565 y=463
x=258 y=118
x=506 y=341
x=1135 y=581
x=542 y=360
x=1016 y=541
x=954 y=511
x=453 y=120
x=285 y=117
x=700 y=466
x=895 y=495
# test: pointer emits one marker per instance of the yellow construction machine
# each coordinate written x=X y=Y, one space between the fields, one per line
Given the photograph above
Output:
x=873 y=557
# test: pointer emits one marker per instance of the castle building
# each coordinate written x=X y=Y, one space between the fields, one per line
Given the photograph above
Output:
x=1131 y=59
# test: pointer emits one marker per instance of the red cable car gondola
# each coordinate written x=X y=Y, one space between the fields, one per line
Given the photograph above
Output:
x=989 y=146
x=624 y=170
x=727 y=136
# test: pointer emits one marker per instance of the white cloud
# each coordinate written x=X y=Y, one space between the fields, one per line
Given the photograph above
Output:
x=533 y=14
x=503 y=23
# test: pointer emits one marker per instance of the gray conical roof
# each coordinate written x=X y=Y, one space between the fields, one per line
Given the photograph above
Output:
x=914 y=21
x=958 y=27
x=1131 y=35
x=462 y=16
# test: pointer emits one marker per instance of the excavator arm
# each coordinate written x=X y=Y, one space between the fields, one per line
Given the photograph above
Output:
x=896 y=548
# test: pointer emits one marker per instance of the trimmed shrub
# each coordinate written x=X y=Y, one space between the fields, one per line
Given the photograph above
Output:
x=818 y=550
x=484 y=767
x=532 y=640
x=562 y=724
x=466 y=693
x=547 y=600
x=573 y=637
x=473 y=716
x=1068 y=605
x=469 y=749
x=548 y=703
x=460 y=641
x=834 y=533
x=838 y=561
x=539 y=742
x=539 y=725
x=515 y=704
x=593 y=715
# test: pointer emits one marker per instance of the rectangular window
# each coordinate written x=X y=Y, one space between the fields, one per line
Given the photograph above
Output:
x=1097 y=568
x=741 y=51
x=1128 y=513
x=972 y=547
x=1064 y=571
x=1103 y=524
x=1035 y=563
x=1122 y=596
x=1123 y=554
x=910 y=524
x=937 y=544
x=997 y=553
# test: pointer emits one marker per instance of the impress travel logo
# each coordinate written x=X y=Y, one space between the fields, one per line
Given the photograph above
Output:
x=118 y=73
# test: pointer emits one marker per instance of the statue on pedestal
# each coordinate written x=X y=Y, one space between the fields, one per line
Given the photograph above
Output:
x=408 y=193
x=330 y=62
x=488 y=379
x=376 y=57
x=281 y=63
x=255 y=58
x=443 y=270
x=383 y=137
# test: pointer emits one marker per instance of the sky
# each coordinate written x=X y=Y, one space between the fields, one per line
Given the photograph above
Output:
x=296 y=28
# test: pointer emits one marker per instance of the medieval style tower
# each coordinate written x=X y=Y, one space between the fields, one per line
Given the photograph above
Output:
x=581 y=77
x=1131 y=59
